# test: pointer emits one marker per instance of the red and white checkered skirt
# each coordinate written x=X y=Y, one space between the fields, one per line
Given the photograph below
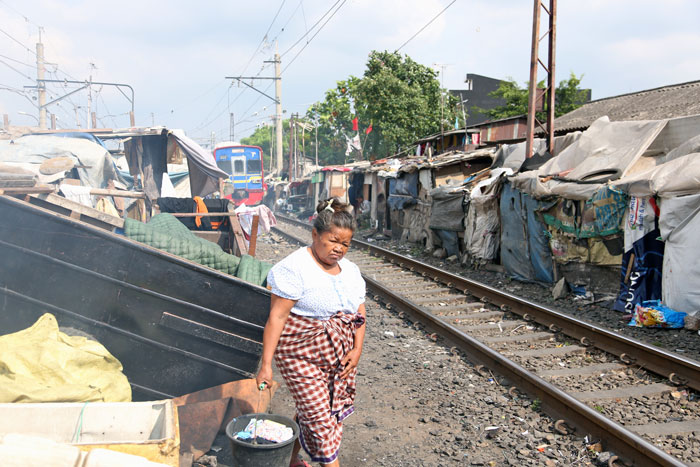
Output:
x=308 y=356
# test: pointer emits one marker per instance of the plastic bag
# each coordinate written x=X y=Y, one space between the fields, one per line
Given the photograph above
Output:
x=653 y=314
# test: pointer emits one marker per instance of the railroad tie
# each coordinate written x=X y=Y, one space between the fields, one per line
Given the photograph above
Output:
x=585 y=370
x=409 y=290
x=624 y=392
x=533 y=336
x=477 y=316
x=434 y=299
x=473 y=307
x=496 y=326
x=551 y=352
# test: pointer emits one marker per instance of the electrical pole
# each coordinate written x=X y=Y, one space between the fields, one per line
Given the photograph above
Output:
x=291 y=147
x=41 y=85
x=277 y=99
x=548 y=96
x=278 y=112
x=89 y=102
x=232 y=132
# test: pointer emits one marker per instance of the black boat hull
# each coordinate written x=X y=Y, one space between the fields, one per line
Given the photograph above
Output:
x=176 y=326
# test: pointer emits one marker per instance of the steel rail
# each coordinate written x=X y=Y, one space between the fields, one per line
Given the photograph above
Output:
x=678 y=369
x=627 y=445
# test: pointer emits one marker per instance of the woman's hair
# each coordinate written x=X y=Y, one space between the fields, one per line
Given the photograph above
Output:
x=333 y=212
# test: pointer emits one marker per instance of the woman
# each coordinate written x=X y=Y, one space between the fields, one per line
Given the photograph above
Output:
x=315 y=332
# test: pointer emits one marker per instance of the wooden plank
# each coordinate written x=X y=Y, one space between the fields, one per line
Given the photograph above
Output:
x=27 y=190
x=240 y=248
x=120 y=193
x=50 y=200
x=253 y=235
x=203 y=214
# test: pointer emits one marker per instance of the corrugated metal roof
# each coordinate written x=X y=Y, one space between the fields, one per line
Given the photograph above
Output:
x=678 y=100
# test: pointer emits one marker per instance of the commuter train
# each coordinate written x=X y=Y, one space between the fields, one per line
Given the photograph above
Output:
x=244 y=164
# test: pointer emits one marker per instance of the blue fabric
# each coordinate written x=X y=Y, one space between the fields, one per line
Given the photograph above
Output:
x=525 y=251
x=645 y=276
x=407 y=184
x=450 y=241
x=398 y=202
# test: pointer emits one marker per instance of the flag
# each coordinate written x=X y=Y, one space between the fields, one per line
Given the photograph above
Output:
x=353 y=144
x=369 y=129
x=355 y=125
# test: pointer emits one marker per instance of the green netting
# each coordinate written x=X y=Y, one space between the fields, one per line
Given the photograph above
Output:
x=167 y=233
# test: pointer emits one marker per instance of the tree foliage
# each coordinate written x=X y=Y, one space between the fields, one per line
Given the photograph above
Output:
x=398 y=97
x=568 y=97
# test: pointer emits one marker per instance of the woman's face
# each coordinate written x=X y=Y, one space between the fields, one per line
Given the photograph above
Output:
x=330 y=247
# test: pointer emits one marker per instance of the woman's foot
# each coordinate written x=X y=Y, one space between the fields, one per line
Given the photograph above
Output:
x=299 y=462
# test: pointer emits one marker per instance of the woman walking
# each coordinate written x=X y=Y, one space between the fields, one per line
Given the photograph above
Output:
x=316 y=330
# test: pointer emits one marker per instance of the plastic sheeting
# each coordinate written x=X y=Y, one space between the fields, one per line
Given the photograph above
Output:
x=679 y=224
x=604 y=146
x=677 y=177
x=28 y=152
x=525 y=251
x=42 y=364
x=204 y=173
x=512 y=156
x=482 y=227
x=447 y=210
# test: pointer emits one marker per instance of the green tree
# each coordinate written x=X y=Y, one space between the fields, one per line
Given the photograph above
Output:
x=399 y=97
x=568 y=97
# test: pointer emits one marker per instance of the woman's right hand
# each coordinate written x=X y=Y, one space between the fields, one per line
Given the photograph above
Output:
x=264 y=375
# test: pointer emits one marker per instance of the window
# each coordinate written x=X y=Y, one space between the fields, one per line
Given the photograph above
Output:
x=238 y=166
x=225 y=166
x=253 y=167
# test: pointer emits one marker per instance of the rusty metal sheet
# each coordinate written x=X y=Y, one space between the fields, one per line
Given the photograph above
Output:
x=199 y=425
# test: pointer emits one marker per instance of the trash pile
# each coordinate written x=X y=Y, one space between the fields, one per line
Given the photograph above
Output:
x=265 y=432
x=653 y=314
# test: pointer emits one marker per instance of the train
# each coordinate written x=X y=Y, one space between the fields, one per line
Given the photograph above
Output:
x=244 y=164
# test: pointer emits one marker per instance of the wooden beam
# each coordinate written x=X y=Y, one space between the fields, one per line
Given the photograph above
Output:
x=120 y=193
x=253 y=235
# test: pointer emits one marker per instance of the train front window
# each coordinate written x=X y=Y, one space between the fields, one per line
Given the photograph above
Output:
x=253 y=166
x=225 y=166
x=238 y=166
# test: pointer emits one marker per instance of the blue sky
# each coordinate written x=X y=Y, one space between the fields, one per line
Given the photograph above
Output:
x=176 y=54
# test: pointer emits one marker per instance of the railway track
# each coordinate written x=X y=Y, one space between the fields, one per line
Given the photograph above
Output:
x=588 y=379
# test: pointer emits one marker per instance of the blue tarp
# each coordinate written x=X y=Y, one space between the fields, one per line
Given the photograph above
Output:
x=525 y=251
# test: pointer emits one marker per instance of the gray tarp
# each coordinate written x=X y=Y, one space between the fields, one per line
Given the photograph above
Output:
x=447 y=211
x=674 y=178
x=204 y=173
x=605 y=145
x=512 y=156
x=28 y=152
x=679 y=224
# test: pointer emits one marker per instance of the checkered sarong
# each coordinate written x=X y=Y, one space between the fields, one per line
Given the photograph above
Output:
x=308 y=356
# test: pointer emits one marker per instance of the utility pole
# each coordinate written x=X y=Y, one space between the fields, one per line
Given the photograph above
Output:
x=232 y=132
x=40 y=84
x=278 y=111
x=89 y=102
x=549 y=95
x=442 y=103
x=278 y=103
x=291 y=147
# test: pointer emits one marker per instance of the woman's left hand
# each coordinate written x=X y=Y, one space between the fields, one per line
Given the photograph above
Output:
x=350 y=361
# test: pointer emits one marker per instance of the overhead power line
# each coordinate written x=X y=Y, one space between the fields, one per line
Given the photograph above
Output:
x=15 y=69
x=33 y=52
x=315 y=34
x=428 y=24
x=16 y=61
x=311 y=29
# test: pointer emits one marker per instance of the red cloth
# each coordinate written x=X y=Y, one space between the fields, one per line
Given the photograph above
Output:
x=308 y=356
x=355 y=124
x=369 y=129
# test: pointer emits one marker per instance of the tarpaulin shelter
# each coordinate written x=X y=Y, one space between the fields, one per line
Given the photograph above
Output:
x=525 y=252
